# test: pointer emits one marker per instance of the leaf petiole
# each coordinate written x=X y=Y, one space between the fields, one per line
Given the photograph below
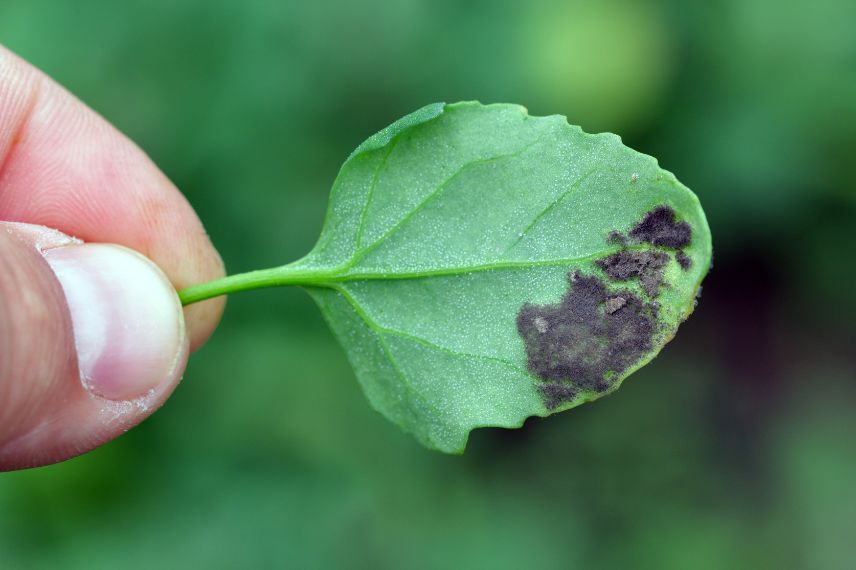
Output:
x=273 y=277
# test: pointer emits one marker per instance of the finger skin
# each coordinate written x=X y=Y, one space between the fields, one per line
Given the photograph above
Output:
x=64 y=167
x=46 y=413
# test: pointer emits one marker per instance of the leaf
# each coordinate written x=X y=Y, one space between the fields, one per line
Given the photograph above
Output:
x=481 y=266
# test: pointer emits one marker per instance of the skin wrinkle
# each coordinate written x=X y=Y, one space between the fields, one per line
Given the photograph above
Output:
x=6 y=340
x=72 y=171
x=54 y=416
x=30 y=301
x=19 y=124
x=64 y=167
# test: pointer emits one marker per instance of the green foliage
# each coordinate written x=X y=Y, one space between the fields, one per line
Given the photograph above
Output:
x=733 y=451
x=446 y=231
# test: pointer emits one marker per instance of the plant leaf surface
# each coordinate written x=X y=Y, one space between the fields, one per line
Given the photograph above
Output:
x=481 y=266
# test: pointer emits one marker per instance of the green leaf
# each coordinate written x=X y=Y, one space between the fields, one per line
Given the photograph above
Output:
x=484 y=266
x=481 y=266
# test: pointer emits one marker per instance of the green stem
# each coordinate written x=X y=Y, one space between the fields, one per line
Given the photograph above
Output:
x=298 y=274
x=274 y=277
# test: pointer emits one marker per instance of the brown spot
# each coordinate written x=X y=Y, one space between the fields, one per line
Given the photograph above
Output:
x=591 y=339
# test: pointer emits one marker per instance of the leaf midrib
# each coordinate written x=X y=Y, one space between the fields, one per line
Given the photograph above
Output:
x=346 y=273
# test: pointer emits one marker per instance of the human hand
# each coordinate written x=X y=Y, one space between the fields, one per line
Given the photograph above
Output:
x=93 y=338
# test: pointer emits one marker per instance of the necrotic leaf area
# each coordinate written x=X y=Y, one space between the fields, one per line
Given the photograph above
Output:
x=585 y=342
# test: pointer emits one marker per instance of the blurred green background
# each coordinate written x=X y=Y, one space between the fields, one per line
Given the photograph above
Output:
x=733 y=449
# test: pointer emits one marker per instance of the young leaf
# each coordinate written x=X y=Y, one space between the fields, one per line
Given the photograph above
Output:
x=481 y=266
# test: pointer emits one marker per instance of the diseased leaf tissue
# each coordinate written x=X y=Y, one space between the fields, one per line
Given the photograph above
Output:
x=481 y=266
x=597 y=331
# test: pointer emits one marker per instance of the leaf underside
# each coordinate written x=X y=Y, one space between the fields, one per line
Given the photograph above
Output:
x=484 y=266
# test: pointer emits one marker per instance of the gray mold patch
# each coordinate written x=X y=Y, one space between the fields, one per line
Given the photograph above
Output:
x=595 y=333
x=586 y=341
x=684 y=260
x=616 y=238
x=661 y=227
x=647 y=266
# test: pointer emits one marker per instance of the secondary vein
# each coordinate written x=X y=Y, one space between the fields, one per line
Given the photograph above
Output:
x=378 y=330
x=446 y=349
x=370 y=195
x=553 y=204
x=359 y=254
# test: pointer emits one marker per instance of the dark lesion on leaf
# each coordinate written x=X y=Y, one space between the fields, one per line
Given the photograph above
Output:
x=595 y=333
x=661 y=227
x=615 y=237
x=587 y=340
x=647 y=266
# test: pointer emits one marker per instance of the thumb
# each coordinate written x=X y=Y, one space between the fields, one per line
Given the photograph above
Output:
x=92 y=340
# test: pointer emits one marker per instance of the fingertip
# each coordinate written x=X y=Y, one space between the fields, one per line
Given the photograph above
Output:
x=128 y=325
x=202 y=319
x=65 y=167
x=91 y=343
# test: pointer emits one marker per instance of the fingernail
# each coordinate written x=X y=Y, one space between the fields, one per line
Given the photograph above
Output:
x=127 y=319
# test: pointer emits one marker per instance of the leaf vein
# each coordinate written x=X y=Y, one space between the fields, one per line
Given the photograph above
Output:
x=453 y=352
x=573 y=187
x=359 y=254
x=345 y=274
x=378 y=330
x=370 y=195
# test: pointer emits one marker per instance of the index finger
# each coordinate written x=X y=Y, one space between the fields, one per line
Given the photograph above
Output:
x=65 y=167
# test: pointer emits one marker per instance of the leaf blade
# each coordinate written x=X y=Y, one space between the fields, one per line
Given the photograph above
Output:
x=437 y=263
